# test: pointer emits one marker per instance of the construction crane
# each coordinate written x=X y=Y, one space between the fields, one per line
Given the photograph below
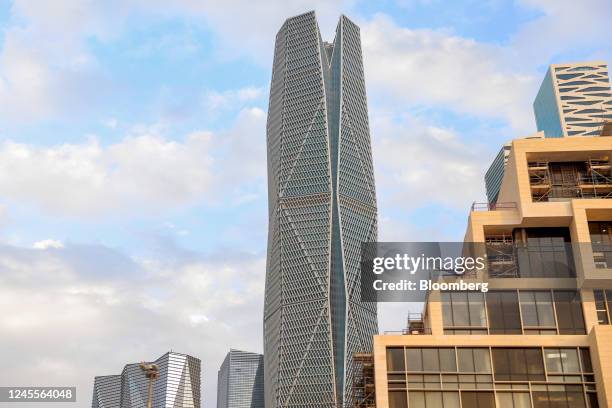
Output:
x=151 y=372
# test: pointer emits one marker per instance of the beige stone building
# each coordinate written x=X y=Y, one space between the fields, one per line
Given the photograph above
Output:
x=541 y=336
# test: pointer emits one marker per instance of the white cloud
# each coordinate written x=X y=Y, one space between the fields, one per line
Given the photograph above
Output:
x=436 y=68
x=139 y=173
x=47 y=244
x=97 y=313
x=215 y=101
x=142 y=173
x=564 y=26
x=418 y=164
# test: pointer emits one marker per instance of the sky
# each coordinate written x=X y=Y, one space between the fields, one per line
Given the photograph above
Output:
x=133 y=207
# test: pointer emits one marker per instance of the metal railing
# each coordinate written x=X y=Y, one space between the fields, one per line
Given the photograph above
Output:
x=493 y=206
x=405 y=332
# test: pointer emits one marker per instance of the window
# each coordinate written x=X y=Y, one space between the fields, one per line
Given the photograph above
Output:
x=503 y=312
x=603 y=301
x=547 y=396
x=601 y=242
x=547 y=253
x=463 y=312
x=431 y=360
x=474 y=360
x=477 y=399
x=569 y=312
x=395 y=359
x=538 y=312
x=513 y=400
x=518 y=364
x=397 y=399
x=561 y=360
x=433 y=399
x=585 y=359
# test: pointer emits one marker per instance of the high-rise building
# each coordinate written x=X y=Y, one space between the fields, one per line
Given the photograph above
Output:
x=107 y=392
x=574 y=100
x=495 y=173
x=177 y=385
x=541 y=335
x=240 y=382
x=322 y=206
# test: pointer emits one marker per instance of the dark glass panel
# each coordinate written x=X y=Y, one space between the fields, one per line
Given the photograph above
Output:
x=482 y=360
x=535 y=365
x=569 y=312
x=460 y=309
x=395 y=359
x=585 y=358
x=447 y=360
x=413 y=359
x=430 y=359
x=501 y=364
x=592 y=399
x=465 y=360
x=397 y=399
x=503 y=311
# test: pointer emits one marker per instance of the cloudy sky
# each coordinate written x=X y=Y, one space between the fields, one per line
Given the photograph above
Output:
x=132 y=158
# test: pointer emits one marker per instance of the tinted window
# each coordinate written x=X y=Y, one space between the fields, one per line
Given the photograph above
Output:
x=395 y=359
x=518 y=364
x=569 y=312
x=503 y=311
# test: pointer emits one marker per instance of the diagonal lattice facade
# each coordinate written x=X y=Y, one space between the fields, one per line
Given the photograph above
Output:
x=177 y=386
x=322 y=206
x=574 y=100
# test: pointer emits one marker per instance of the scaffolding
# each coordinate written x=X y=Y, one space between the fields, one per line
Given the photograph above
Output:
x=364 y=390
x=501 y=256
x=554 y=181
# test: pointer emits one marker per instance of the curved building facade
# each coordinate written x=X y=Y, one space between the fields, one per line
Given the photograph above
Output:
x=322 y=206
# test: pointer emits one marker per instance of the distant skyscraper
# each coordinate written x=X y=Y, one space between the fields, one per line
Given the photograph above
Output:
x=574 y=100
x=322 y=207
x=107 y=392
x=177 y=386
x=240 y=381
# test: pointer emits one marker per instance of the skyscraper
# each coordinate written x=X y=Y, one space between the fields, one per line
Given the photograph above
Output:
x=178 y=385
x=240 y=381
x=574 y=100
x=322 y=206
x=540 y=336
x=107 y=392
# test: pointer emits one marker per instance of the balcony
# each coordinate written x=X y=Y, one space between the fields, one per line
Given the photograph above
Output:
x=508 y=206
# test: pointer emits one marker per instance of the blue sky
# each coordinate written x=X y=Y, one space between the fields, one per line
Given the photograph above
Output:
x=132 y=155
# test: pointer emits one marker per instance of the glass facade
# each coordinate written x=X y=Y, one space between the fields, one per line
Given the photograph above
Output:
x=601 y=242
x=546 y=108
x=107 y=392
x=240 y=381
x=177 y=385
x=492 y=377
x=574 y=100
x=322 y=207
x=513 y=312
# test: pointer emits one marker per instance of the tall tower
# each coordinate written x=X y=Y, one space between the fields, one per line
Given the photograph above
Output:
x=574 y=100
x=240 y=381
x=322 y=206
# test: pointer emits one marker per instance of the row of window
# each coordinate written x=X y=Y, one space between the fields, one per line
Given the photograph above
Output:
x=449 y=377
x=506 y=364
x=513 y=312
x=541 y=396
